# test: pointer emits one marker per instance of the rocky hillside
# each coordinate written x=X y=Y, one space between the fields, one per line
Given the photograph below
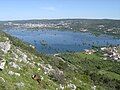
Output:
x=18 y=66
x=22 y=68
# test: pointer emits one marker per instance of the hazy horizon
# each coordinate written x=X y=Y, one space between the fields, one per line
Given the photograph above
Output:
x=61 y=19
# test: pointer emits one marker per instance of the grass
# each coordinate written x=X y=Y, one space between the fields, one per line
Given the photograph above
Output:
x=110 y=75
x=80 y=69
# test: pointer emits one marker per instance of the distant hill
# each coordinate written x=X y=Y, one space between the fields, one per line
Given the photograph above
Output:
x=96 y=26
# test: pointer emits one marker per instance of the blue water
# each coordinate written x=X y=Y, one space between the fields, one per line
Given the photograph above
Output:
x=61 y=41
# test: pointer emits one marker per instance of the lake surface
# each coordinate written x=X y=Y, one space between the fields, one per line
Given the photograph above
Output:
x=53 y=41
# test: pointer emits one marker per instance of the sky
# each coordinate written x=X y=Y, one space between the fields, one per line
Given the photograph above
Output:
x=59 y=9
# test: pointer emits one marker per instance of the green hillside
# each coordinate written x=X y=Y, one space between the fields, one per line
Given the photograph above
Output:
x=68 y=71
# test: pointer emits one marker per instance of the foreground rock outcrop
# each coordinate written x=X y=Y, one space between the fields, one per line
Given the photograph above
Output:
x=2 y=64
x=5 y=46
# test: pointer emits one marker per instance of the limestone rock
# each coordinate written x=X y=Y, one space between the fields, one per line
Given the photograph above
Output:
x=2 y=64
x=5 y=46
x=19 y=85
x=14 y=65
x=72 y=86
x=2 y=79
x=13 y=73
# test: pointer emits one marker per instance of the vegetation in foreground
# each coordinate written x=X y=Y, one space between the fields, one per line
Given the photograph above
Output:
x=68 y=71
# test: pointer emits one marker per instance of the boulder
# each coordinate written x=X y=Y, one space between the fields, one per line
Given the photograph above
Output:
x=5 y=46
x=13 y=73
x=2 y=79
x=20 y=85
x=2 y=64
x=72 y=86
x=14 y=65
